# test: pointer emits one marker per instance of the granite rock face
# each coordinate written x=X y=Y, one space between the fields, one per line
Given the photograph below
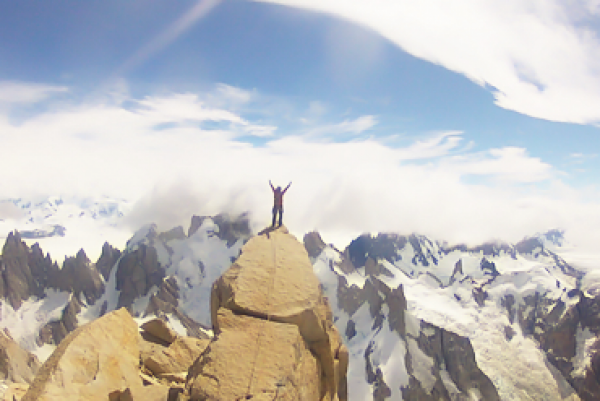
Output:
x=56 y=330
x=91 y=362
x=16 y=364
x=107 y=260
x=274 y=334
x=137 y=273
x=430 y=363
x=24 y=272
x=79 y=276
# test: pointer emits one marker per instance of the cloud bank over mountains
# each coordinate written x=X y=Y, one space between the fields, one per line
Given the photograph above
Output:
x=538 y=58
x=187 y=153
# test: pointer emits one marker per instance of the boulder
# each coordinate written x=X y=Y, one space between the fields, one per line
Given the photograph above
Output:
x=178 y=357
x=156 y=392
x=16 y=364
x=273 y=278
x=158 y=328
x=15 y=392
x=178 y=377
x=148 y=347
x=91 y=362
x=255 y=358
x=271 y=283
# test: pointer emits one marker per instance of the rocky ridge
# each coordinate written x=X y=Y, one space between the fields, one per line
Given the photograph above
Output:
x=463 y=322
x=17 y=366
x=437 y=364
x=501 y=298
x=299 y=353
x=25 y=272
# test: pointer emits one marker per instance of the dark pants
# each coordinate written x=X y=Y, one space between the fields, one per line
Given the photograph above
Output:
x=275 y=210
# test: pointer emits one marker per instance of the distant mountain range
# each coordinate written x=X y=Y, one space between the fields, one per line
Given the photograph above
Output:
x=423 y=320
x=63 y=225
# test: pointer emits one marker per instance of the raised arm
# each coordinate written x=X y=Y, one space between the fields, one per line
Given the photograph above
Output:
x=286 y=188
x=273 y=189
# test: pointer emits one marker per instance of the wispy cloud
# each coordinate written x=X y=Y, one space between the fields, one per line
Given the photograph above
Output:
x=506 y=164
x=260 y=131
x=183 y=107
x=436 y=146
x=168 y=35
x=14 y=92
x=580 y=158
x=354 y=127
x=231 y=94
x=540 y=56
x=593 y=6
x=8 y=210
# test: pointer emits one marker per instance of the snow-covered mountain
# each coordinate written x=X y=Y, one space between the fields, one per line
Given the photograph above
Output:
x=519 y=305
x=63 y=225
x=422 y=320
x=166 y=273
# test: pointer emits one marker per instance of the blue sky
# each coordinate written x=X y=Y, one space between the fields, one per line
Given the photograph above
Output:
x=500 y=98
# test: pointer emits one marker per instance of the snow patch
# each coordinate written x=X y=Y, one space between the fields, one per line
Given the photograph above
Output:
x=449 y=384
x=412 y=325
x=590 y=284
x=177 y=326
x=44 y=352
x=584 y=341
x=25 y=323
x=422 y=366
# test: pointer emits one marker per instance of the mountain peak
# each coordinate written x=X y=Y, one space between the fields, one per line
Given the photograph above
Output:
x=270 y=301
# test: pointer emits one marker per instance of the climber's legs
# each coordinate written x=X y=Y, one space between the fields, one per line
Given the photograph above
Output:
x=275 y=211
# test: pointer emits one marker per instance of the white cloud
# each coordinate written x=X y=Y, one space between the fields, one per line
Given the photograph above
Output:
x=340 y=188
x=436 y=146
x=8 y=211
x=507 y=164
x=540 y=56
x=233 y=94
x=185 y=107
x=580 y=158
x=593 y=6
x=25 y=92
x=260 y=131
x=354 y=127
x=82 y=148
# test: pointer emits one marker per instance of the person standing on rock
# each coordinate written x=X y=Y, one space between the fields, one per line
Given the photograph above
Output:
x=278 y=202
